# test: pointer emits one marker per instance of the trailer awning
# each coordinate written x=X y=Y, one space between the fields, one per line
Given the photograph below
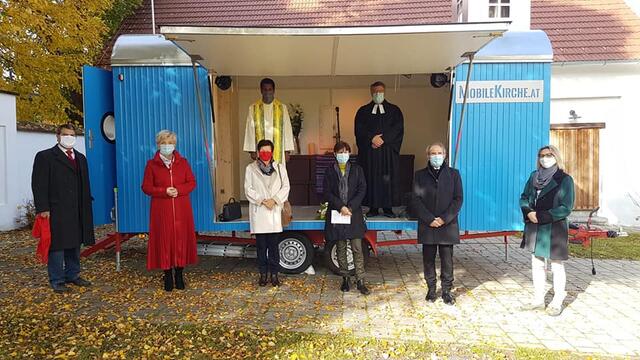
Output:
x=330 y=51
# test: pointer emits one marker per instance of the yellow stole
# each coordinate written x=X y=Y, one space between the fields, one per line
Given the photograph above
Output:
x=278 y=126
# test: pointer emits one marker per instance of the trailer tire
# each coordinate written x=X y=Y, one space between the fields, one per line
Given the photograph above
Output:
x=296 y=252
x=331 y=257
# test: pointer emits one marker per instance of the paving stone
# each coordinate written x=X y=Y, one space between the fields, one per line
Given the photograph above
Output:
x=602 y=314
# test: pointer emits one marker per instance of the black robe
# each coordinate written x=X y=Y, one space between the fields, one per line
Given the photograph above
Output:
x=63 y=190
x=380 y=165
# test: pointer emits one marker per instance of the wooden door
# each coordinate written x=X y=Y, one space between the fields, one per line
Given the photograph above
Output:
x=579 y=145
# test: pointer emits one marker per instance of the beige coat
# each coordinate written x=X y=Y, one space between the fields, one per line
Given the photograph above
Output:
x=261 y=219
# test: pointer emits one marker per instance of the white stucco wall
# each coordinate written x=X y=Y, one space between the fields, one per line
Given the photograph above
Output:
x=17 y=151
x=7 y=162
x=606 y=93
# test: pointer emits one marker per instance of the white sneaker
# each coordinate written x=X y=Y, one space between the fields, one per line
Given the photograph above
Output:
x=310 y=270
x=532 y=306
x=553 y=310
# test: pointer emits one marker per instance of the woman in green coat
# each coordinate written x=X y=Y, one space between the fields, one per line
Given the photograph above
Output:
x=546 y=202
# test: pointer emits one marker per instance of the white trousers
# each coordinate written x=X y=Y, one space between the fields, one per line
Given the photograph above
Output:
x=539 y=275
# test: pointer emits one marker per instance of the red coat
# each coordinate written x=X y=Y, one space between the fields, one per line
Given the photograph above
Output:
x=172 y=237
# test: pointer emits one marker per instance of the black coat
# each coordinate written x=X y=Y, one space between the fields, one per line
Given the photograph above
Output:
x=437 y=196
x=356 y=193
x=63 y=190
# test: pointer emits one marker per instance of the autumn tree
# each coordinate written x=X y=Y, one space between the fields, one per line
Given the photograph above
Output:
x=44 y=43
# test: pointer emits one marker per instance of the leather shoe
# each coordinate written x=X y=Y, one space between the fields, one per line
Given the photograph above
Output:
x=448 y=298
x=60 y=288
x=388 y=213
x=362 y=287
x=274 y=280
x=263 y=280
x=79 y=282
x=431 y=294
x=345 y=284
x=372 y=213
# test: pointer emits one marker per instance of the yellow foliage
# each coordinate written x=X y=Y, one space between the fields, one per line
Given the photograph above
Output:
x=43 y=44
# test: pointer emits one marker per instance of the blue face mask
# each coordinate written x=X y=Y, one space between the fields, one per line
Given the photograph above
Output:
x=436 y=161
x=167 y=149
x=378 y=97
x=342 y=158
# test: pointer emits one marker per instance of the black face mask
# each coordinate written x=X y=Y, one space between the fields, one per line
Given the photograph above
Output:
x=267 y=97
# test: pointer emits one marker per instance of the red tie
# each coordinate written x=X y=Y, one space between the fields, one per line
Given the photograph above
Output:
x=70 y=156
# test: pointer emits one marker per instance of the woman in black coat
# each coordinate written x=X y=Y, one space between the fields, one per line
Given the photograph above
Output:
x=344 y=189
x=436 y=202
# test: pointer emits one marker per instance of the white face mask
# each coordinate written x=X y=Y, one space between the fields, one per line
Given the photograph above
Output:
x=547 y=162
x=378 y=97
x=67 y=141
x=167 y=149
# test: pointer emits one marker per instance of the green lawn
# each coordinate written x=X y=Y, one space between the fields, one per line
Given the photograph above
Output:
x=622 y=248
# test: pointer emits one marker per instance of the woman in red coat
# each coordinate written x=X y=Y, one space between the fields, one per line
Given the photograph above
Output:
x=168 y=179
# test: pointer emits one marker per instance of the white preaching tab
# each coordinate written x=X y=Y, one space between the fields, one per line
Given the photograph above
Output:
x=376 y=108
x=337 y=218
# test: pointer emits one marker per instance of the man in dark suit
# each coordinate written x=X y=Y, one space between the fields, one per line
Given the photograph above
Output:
x=60 y=185
x=436 y=202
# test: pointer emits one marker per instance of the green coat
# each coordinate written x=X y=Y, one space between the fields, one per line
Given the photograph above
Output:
x=549 y=238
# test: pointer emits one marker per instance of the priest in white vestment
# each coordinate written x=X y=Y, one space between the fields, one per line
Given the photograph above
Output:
x=268 y=118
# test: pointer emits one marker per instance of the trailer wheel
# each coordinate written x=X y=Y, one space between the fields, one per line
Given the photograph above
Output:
x=296 y=252
x=331 y=256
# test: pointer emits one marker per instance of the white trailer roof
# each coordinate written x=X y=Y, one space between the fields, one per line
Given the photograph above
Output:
x=332 y=50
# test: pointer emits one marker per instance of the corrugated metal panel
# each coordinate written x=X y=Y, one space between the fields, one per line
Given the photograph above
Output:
x=147 y=100
x=498 y=147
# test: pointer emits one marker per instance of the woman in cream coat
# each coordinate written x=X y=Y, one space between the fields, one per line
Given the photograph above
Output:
x=266 y=185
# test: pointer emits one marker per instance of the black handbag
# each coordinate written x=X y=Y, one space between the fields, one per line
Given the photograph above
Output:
x=231 y=211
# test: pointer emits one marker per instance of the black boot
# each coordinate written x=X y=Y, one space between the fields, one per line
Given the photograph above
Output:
x=263 y=279
x=448 y=297
x=274 y=280
x=372 y=212
x=345 y=284
x=168 y=280
x=179 y=278
x=388 y=212
x=362 y=287
x=431 y=294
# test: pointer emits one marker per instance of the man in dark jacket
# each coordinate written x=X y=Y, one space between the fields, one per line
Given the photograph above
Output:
x=436 y=202
x=60 y=185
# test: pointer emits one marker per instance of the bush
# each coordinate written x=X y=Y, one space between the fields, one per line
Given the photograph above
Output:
x=26 y=214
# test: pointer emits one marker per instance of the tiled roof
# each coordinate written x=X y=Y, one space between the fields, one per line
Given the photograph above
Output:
x=580 y=30
x=588 y=30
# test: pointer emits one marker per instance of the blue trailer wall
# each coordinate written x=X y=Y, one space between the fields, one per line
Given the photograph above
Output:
x=147 y=100
x=500 y=139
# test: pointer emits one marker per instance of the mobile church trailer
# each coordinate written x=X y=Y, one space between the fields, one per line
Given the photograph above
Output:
x=496 y=119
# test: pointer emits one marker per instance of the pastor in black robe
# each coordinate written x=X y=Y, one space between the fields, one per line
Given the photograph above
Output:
x=380 y=165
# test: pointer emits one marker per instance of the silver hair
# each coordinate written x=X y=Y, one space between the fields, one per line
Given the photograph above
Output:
x=438 y=143
x=166 y=134
x=556 y=153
